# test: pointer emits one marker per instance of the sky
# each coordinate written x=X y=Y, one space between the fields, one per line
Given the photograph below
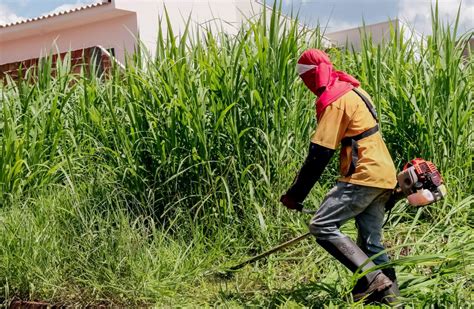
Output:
x=344 y=14
x=333 y=14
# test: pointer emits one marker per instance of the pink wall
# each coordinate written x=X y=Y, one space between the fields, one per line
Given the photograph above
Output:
x=118 y=33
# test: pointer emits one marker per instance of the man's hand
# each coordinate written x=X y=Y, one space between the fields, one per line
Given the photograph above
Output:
x=290 y=203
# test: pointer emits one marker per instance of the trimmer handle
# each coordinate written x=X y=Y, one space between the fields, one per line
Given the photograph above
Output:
x=397 y=194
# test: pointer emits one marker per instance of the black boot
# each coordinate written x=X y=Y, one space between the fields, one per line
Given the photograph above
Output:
x=360 y=287
x=390 y=296
x=351 y=256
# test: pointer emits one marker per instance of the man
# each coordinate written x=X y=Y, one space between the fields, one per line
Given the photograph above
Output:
x=346 y=116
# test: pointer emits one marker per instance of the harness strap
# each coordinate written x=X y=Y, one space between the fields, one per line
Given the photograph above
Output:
x=352 y=140
x=367 y=103
x=346 y=141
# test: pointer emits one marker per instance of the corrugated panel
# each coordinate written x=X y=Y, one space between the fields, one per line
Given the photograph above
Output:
x=81 y=8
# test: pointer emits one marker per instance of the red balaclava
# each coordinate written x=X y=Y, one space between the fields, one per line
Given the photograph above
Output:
x=316 y=70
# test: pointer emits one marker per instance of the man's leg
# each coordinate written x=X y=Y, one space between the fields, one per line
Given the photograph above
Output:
x=343 y=202
x=369 y=225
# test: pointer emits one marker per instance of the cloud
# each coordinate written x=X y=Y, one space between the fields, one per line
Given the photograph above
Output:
x=418 y=13
x=7 y=16
x=70 y=6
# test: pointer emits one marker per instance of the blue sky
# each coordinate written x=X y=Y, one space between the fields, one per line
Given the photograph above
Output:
x=344 y=14
x=336 y=14
x=32 y=8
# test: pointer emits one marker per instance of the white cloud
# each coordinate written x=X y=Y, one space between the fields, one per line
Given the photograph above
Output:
x=7 y=16
x=417 y=13
x=70 y=6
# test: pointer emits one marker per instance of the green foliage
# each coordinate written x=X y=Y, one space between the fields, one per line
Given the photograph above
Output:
x=127 y=189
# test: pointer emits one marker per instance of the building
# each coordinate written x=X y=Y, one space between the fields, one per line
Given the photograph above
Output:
x=379 y=32
x=468 y=48
x=112 y=27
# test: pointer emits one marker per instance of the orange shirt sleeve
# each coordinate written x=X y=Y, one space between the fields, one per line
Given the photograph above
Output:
x=331 y=127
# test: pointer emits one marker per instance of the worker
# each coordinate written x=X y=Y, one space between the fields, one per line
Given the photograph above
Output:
x=346 y=117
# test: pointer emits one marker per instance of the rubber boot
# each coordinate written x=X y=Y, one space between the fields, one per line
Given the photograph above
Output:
x=360 y=287
x=390 y=296
x=351 y=256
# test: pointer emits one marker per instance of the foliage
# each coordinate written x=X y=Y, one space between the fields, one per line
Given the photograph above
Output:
x=128 y=188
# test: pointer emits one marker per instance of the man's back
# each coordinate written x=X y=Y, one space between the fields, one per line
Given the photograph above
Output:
x=349 y=116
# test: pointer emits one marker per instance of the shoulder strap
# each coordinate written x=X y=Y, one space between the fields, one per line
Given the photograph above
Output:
x=352 y=140
x=367 y=103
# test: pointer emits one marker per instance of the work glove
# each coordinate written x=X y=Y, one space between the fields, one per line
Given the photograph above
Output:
x=290 y=203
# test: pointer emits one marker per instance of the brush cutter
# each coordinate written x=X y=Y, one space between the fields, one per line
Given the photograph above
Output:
x=420 y=182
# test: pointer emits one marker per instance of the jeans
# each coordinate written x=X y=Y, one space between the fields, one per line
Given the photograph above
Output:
x=346 y=201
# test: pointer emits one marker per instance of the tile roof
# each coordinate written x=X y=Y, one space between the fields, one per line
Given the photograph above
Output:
x=76 y=9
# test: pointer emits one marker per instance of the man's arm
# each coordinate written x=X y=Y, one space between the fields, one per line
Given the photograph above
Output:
x=314 y=165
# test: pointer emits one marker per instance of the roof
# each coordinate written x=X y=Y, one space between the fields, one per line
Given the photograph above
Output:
x=76 y=9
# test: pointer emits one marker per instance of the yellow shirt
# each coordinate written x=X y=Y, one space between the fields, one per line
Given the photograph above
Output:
x=349 y=116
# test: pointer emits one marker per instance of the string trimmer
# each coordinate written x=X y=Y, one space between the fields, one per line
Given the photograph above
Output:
x=420 y=182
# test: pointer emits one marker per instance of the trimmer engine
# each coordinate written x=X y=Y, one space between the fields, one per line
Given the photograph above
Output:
x=421 y=182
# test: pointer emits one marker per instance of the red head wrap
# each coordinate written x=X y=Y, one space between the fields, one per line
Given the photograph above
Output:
x=315 y=68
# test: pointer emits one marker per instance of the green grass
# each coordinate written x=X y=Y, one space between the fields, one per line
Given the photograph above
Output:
x=135 y=189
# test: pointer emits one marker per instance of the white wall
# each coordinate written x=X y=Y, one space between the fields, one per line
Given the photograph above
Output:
x=226 y=13
x=380 y=32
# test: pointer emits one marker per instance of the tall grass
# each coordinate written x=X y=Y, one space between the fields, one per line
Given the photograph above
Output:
x=127 y=188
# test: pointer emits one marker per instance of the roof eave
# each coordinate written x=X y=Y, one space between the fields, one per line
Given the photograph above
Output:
x=51 y=23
